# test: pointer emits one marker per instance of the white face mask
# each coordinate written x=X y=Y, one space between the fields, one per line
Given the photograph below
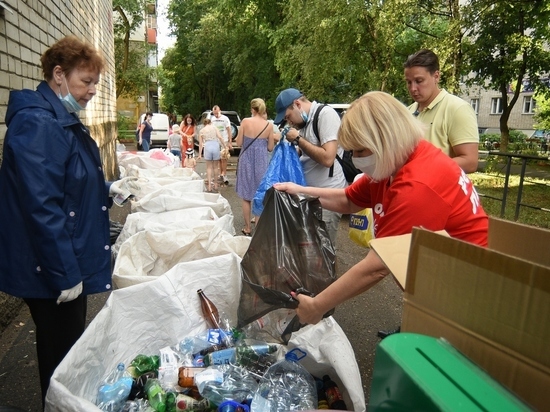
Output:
x=365 y=164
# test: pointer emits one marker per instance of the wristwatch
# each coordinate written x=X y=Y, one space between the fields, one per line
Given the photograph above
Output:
x=295 y=141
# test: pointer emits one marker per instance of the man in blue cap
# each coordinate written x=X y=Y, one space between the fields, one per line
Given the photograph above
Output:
x=318 y=152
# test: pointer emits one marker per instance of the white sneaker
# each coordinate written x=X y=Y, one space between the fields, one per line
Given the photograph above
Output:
x=225 y=180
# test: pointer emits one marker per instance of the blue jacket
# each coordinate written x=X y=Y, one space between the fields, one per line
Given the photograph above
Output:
x=54 y=217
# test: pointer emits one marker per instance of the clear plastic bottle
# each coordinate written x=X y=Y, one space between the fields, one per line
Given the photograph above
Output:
x=286 y=385
x=114 y=391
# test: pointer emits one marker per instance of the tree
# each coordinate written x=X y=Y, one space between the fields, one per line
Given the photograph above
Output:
x=506 y=45
x=542 y=112
x=132 y=72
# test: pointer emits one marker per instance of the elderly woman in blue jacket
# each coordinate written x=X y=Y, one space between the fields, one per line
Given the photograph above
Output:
x=54 y=219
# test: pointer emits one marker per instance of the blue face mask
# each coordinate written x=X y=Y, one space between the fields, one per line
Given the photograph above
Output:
x=304 y=115
x=69 y=101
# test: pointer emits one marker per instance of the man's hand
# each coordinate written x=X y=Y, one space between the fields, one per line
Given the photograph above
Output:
x=70 y=294
x=292 y=134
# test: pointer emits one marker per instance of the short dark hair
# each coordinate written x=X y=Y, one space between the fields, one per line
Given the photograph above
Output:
x=149 y=114
x=423 y=58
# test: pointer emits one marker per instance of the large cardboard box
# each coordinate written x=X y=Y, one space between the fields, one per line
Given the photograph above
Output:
x=492 y=304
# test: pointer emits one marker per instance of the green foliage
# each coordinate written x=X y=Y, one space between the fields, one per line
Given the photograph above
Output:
x=230 y=51
x=542 y=112
x=132 y=71
x=506 y=43
x=125 y=128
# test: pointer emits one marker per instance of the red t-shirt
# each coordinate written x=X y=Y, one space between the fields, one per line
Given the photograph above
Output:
x=430 y=191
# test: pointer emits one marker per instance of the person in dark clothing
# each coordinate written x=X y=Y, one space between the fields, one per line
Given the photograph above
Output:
x=54 y=218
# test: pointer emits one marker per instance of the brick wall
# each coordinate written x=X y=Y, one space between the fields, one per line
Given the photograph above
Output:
x=31 y=29
x=24 y=36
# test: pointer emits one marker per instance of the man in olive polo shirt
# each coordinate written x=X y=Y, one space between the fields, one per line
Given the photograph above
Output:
x=451 y=121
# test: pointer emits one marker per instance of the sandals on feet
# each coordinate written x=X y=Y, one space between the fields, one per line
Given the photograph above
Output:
x=246 y=233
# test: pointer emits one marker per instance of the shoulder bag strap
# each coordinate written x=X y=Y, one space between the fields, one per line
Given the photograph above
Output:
x=243 y=150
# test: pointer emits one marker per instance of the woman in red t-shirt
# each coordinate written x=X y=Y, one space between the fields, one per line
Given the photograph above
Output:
x=407 y=182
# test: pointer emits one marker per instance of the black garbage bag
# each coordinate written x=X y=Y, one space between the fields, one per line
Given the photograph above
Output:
x=290 y=251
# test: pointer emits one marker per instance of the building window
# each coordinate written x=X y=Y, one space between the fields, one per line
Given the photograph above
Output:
x=496 y=105
x=529 y=105
x=475 y=105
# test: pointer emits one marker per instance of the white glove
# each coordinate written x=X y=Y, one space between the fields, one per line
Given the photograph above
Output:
x=123 y=189
x=70 y=294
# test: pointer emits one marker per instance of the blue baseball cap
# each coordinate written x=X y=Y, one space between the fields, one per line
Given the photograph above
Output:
x=285 y=99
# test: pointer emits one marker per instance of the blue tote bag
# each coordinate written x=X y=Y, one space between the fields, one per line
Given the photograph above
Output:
x=285 y=166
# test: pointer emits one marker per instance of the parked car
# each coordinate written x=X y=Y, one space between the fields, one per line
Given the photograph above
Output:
x=234 y=118
x=161 y=129
x=340 y=107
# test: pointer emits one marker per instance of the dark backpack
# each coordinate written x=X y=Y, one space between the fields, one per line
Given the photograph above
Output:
x=350 y=171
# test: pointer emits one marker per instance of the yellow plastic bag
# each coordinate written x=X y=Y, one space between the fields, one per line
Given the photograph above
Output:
x=361 y=227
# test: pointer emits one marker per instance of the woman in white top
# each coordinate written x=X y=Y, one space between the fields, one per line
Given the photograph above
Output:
x=211 y=140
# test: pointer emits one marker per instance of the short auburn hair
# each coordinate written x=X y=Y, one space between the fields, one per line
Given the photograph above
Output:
x=70 y=52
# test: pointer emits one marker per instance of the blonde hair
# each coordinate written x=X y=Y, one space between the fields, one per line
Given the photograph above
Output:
x=382 y=124
x=258 y=105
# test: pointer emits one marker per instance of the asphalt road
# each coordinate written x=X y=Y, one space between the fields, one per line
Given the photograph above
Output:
x=361 y=318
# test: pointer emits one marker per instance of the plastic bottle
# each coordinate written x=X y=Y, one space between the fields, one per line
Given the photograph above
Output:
x=334 y=397
x=143 y=363
x=241 y=355
x=232 y=406
x=286 y=385
x=171 y=401
x=155 y=395
x=187 y=403
x=221 y=382
x=209 y=310
x=115 y=389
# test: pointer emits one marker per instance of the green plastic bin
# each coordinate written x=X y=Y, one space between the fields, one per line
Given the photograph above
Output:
x=415 y=372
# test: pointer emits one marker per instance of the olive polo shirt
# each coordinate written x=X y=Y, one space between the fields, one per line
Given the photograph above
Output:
x=450 y=121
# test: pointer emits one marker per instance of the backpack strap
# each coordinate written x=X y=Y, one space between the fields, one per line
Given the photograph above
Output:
x=315 y=124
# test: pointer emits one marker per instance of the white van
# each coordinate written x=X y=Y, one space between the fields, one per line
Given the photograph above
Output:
x=161 y=129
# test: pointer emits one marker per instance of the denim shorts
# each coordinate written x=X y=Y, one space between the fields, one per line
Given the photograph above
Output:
x=212 y=150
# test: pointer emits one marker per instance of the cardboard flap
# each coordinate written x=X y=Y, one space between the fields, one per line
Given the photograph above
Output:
x=394 y=252
x=523 y=241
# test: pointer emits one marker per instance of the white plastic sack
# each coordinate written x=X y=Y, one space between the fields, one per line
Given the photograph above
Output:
x=144 y=318
x=142 y=160
x=168 y=185
x=174 y=200
x=172 y=220
x=147 y=255
x=184 y=173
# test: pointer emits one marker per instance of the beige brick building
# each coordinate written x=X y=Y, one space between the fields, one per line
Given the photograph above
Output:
x=29 y=27
x=488 y=107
